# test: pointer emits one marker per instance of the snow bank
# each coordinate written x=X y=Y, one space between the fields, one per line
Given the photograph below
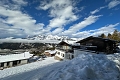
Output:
x=116 y=58
x=87 y=67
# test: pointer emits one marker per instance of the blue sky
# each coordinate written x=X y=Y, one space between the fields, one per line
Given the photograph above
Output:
x=73 y=18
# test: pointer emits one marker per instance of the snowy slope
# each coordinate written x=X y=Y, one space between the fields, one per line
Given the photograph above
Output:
x=115 y=58
x=84 y=67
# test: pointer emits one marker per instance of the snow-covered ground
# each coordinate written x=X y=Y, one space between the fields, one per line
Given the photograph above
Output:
x=85 y=67
x=27 y=67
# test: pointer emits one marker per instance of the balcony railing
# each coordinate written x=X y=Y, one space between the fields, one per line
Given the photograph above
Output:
x=66 y=50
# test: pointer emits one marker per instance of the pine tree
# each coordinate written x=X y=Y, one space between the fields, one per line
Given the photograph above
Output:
x=102 y=35
x=109 y=36
x=119 y=36
x=115 y=35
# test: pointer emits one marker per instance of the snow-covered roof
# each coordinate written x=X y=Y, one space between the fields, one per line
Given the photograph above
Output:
x=13 y=57
x=51 y=51
x=71 y=42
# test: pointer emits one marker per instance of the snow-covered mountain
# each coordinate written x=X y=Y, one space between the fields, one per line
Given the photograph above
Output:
x=38 y=39
x=48 y=37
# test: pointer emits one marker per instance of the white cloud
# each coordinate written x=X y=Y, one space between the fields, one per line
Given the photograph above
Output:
x=113 y=3
x=20 y=2
x=16 y=23
x=106 y=29
x=62 y=12
x=82 y=34
x=54 y=4
x=87 y=21
x=97 y=10
x=57 y=31
x=13 y=4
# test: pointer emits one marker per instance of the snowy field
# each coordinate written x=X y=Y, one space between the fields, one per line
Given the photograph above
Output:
x=84 y=67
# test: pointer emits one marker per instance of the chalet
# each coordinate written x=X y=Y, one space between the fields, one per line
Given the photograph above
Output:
x=64 y=50
x=14 y=59
x=50 y=53
x=98 y=44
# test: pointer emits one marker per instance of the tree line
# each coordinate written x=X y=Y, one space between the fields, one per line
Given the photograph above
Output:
x=114 y=36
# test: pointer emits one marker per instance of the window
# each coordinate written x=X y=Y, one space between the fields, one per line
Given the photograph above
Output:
x=19 y=61
x=63 y=55
x=59 y=53
x=69 y=56
x=72 y=56
x=2 y=65
x=8 y=63
x=14 y=63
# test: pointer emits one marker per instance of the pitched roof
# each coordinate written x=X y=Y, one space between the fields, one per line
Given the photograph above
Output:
x=91 y=37
x=68 y=42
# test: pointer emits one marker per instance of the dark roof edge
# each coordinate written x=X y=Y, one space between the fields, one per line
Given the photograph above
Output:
x=97 y=38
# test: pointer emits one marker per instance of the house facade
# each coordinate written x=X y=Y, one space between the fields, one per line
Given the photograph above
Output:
x=14 y=59
x=98 y=44
x=62 y=55
x=64 y=50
